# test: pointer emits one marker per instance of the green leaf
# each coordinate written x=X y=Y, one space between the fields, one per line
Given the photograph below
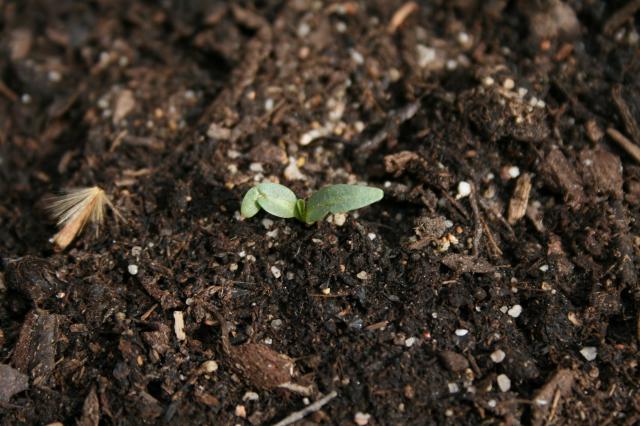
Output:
x=340 y=199
x=301 y=210
x=277 y=199
x=250 y=206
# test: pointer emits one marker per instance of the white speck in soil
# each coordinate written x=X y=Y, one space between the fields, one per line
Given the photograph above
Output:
x=498 y=356
x=504 y=382
x=515 y=311
x=371 y=236
x=276 y=272
x=361 y=419
x=363 y=275
x=339 y=219
x=492 y=403
x=488 y=81
x=210 y=366
x=410 y=342
x=508 y=84
x=133 y=269
x=276 y=324
x=250 y=396
x=464 y=189
x=589 y=352
x=504 y=309
x=233 y=267
x=513 y=172
x=453 y=387
x=544 y=268
x=268 y=340
x=460 y=332
x=426 y=55
x=241 y=411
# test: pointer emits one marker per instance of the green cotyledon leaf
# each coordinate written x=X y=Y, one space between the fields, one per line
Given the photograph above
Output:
x=250 y=206
x=276 y=199
x=340 y=199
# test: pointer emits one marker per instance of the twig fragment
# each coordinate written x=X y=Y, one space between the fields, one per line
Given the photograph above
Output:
x=401 y=15
x=298 y=415
x=631 y=148
x=625 y=13
x=628 y=119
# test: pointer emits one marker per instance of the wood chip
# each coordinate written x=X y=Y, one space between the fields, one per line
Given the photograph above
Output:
x=124 y=105
x=178 y=325
x=562 y=174
x=561 y=382
x=520 y=200
x=90 y=410
x=602 y=170
x=463 y=264
x=11 y=382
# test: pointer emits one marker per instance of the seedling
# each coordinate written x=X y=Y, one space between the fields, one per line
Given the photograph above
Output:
x=282 y=202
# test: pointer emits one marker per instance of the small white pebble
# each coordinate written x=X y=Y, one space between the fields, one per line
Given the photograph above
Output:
x=544 y=268
x=268 y=104
x=339 y=219
x=267 y=223
x=492 y=403
x=306 y=401
x=522 y=92
x=362 y=275
x=515 y=311
x=434 y=315
x=256 y=167
x=498 y=356
x=541 y=103
x=453 y=387
x=241 y=411
x=533 y=101
x=210 y=366
x=276 y=272
x=464 y=189
x=326 y=290
x=589 y=352
x=462 y=332
x=448 y=412
x=508 y=84
x=357 y=57
x=303 y=30
x=426 y=55
x=451 y=64
x=513 y=172
x=504 y=309
x=488 y=81
x=504 y=382
x=133 y=269
x=410 y=342
x=361 y=419
x=371 y=236
x=250 y=396
x=268 y=340
x=341 y=27
x=54 y=76
x=463 y=38
x=276 y=323
x=25 y=98
x=448 y=224
x=233 y=267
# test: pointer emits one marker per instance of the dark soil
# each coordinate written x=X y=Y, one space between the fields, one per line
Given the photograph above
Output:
x=177 y=108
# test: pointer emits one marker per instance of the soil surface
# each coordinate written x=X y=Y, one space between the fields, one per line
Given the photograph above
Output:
x=495 y=283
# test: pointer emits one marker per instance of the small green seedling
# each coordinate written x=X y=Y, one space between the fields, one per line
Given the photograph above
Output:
x=282 y=202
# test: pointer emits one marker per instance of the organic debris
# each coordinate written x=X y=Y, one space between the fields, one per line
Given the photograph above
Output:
x=75 y=209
